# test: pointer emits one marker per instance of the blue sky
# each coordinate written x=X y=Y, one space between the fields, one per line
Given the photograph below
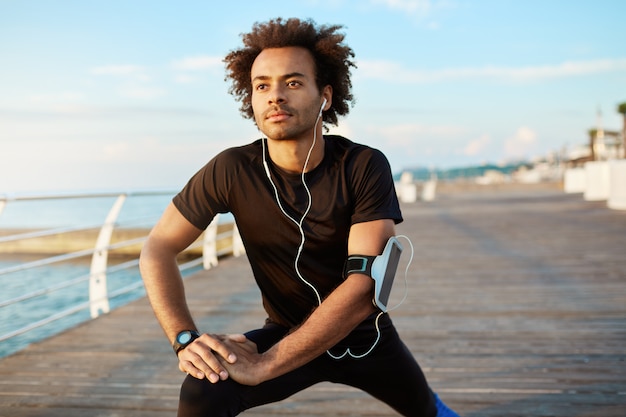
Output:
x=131 y=94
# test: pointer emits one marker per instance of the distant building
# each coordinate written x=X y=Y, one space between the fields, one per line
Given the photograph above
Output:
x=604 y=145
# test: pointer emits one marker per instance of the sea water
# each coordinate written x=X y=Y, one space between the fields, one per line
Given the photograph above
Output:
x=64 y=212
x=137 y=211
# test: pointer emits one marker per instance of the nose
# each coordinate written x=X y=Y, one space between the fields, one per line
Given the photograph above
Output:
x=277 y=96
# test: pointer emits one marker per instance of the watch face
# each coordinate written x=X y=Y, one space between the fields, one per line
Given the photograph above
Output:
x=184 y=337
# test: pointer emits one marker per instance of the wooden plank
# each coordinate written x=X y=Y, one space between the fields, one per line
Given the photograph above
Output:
x=516 y=306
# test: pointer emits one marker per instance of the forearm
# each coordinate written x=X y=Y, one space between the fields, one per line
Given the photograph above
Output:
x=332 y=321
x=165 y=290
x=346 y=307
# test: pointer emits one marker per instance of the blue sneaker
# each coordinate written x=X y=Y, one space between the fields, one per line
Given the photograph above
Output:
x=442 y=409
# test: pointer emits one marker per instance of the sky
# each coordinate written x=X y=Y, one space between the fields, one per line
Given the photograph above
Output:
x=130 y=95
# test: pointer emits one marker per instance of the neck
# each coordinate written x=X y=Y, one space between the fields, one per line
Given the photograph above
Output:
x=292 y=155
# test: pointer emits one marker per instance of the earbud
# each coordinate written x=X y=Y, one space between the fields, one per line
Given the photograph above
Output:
x=322 y=108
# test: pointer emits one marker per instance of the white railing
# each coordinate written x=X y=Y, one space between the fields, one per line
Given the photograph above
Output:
x=205 y=252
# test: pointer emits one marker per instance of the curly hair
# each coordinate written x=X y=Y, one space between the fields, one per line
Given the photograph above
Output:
x=332 y=58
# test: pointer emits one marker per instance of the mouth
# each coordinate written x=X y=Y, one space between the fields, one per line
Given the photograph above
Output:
x=277 y=115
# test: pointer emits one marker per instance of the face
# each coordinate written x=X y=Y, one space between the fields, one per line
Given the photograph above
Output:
x=285 y=97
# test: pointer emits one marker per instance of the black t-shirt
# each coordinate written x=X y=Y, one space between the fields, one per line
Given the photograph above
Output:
x=352 y=184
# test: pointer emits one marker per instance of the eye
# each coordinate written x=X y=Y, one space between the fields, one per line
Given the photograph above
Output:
x=260 y=87
x=294 y=84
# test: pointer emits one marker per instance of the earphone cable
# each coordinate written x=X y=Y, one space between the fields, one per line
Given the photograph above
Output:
x=303 y=240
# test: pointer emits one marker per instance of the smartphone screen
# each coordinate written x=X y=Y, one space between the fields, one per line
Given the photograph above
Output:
x=390 y=272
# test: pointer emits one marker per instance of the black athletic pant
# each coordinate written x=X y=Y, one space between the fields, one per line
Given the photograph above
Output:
x=389 y=373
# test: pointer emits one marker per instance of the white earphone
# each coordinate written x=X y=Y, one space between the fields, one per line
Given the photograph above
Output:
x=267 y=169
x=299 y=224
x=322 y=108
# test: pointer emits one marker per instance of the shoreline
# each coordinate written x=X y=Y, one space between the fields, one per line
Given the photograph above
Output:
x=59 y=244
x=86 y=239
x=509 y=292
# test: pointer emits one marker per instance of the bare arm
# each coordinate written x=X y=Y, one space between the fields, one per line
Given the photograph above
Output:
x=346 y=307
x=164 y=286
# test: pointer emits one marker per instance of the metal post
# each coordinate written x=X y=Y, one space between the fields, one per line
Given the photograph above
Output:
x=209 y=245
x=98 y=298
x=238 y=248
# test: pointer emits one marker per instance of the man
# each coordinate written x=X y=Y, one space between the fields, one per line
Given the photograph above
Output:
x=303 y=203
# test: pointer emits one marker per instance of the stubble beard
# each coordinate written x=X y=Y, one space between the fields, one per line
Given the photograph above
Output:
x=294 y=128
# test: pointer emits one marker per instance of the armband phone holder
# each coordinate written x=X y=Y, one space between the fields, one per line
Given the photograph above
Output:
x=381 y=268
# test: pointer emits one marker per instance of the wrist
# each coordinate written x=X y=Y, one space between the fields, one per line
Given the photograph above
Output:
x=279 y=360
x=184 y=339
x=266 y=367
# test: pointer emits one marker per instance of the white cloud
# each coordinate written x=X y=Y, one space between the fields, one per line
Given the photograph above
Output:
x=421 y=12
x=75 y=164
x=395 y=72
x=520 y=144
x=117 y=70
x=142 y=93
x=115 y=150
x=157 y=151
x=415 y=130
x=409 y=135
x=134 y=79
x=344 y=128
x=185 y=79
x=198 y=63
x=194 y=64
x=565 y=69
x=476 y=146
x=421 y=7
x=62 y=97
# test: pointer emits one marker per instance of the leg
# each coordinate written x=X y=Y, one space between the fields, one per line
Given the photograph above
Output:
x=389 y=373
x=200 y=398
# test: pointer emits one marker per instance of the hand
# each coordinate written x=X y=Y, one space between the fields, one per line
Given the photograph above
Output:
x=205 y=356
x=247 y=370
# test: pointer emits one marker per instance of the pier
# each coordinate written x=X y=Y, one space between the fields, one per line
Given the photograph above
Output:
x=516 y=306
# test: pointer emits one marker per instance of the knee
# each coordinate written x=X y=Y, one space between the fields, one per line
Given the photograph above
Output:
x=199 y=397
x=193 y=390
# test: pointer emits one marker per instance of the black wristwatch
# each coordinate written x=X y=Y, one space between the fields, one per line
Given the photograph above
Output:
x=183 y=339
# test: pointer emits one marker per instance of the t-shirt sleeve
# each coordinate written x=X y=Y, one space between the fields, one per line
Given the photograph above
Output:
x=373 y=186
x=205 y=194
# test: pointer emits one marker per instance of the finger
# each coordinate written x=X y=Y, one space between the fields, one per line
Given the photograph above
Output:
x=199 y=361
x=189 y=369
x=218 y=346
x=210 y=362
x=237 y=337
x=199 y=369
x=238 y=344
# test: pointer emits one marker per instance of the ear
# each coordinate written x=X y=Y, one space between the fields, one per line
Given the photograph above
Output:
x=327 y=94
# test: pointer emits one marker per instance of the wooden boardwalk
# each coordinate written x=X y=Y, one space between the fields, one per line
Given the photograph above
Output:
x=516 y=307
